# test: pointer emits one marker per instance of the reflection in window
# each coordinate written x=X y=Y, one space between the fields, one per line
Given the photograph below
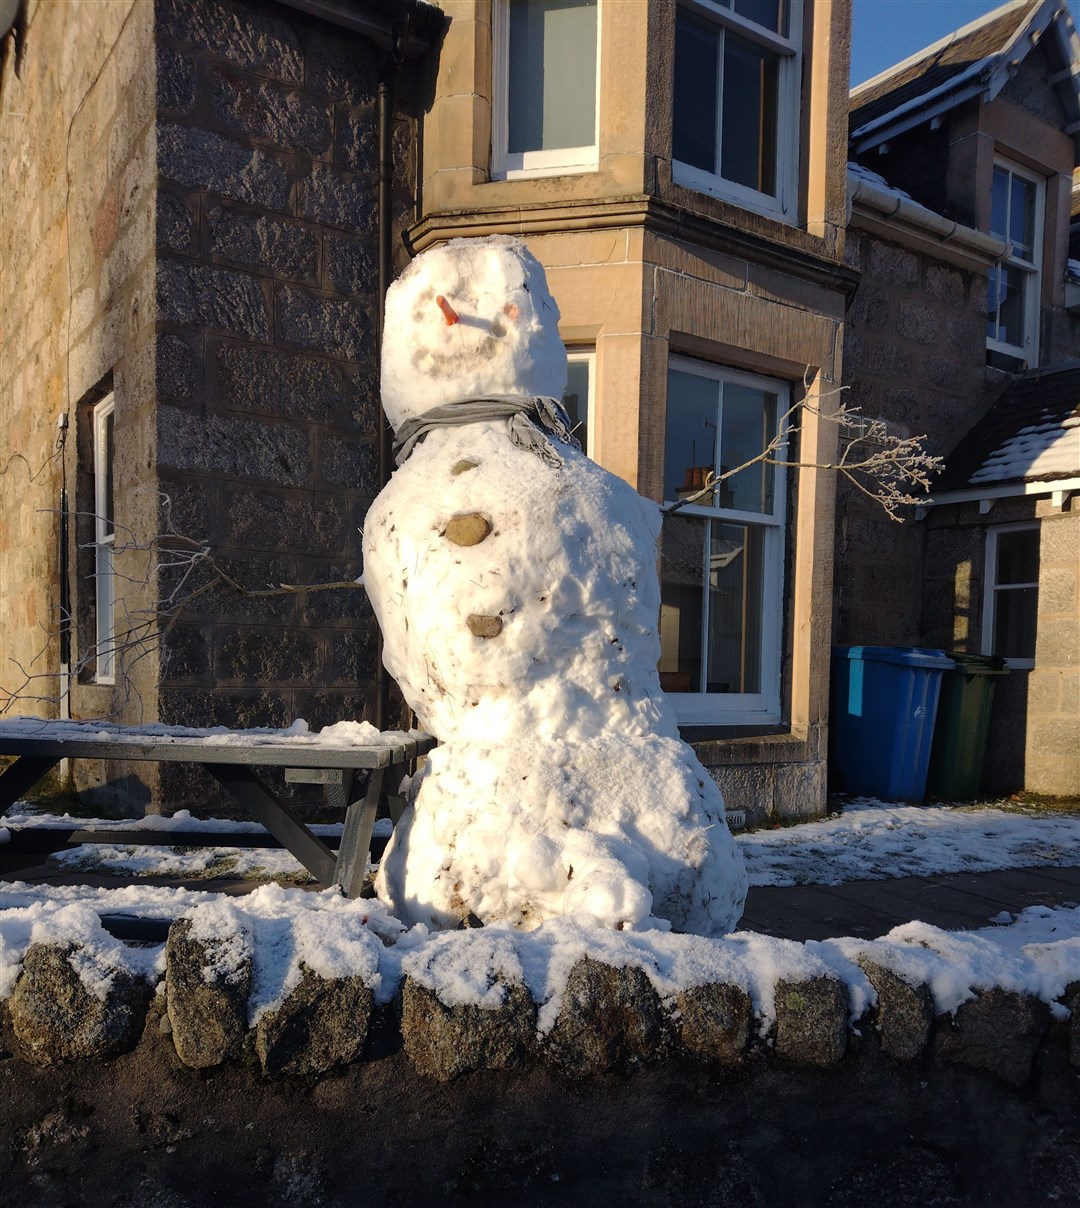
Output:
x=104 y=542
x=1010 y=609
x=579 y=391
x=736 y=101
x=545 y=85
x=721 y=556
x=1012 y=308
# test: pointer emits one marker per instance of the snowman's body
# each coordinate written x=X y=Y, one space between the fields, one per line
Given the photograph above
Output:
x=518 y=598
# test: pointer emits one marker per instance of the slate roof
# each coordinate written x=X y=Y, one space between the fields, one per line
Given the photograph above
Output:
x=1031 y=434
x=940 y=63
x=975 y=59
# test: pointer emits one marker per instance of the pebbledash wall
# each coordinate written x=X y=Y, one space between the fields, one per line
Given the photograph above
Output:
x=210 y=170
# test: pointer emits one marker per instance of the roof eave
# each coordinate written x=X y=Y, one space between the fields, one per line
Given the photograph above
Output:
x=1003 y=490
x=1051 y=18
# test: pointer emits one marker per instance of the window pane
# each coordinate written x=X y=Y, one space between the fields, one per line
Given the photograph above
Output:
x=1018 y=557
x=736 y=595
x=748 y=136
x=682 y=566
x=1011 y=324
x=748 y=424
x=552 y=73
x=1022 y=217
x=696 y=57
x=999 y=204
x=1014 y=622
x=690 y=437
x=576 y=399
x=770 y=13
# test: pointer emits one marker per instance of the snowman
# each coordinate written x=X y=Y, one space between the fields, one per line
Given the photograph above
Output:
x=515 y=584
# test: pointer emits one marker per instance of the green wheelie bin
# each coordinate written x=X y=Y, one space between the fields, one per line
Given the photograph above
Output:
x=963 y=721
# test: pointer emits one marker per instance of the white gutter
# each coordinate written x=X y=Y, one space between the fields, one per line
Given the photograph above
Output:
x=1005 y=490
x=886 y=213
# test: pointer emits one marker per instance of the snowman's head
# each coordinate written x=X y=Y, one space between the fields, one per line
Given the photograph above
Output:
x=469 y=319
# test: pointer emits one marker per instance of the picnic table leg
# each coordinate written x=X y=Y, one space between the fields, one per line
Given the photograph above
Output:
x=356 y=837
x=23 y=774
x=277 y=817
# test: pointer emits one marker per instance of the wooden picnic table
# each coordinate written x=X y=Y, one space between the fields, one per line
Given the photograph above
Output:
x=354 y=776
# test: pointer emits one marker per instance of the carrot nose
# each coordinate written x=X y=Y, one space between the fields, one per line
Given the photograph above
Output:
x=449 y=313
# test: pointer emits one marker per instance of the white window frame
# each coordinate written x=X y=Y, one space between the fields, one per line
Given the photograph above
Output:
x=104 y=547
x=558 y=161
x=587 y=356
x=784 y=204
x=991 y=589
x=1028 y=352
x=744 y=708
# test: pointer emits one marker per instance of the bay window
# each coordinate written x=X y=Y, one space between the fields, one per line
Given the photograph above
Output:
x=1012 y=320
x=722 y=550
x=736 y=104
x=545 y=78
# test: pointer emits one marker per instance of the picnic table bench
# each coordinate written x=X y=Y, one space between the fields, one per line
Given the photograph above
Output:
x=354 y=776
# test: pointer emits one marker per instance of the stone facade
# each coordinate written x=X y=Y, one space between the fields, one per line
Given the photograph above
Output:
x=1034 y=739
x=915 y=356
x=211 y=171
x=914 y=346
x=645 y=268
x=267 y=422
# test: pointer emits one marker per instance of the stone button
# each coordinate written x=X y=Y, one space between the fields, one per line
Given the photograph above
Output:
x=468 y=529
x=460 y=467
x=484 y=627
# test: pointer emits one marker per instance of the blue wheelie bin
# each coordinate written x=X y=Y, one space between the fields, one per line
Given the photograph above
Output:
x=883 y=707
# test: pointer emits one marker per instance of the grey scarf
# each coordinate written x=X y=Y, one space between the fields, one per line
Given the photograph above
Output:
x=533 y=421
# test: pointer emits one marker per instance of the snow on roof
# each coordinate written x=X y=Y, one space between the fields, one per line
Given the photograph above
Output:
x=879 y=182
x=1038 y=452
x=1031 y=434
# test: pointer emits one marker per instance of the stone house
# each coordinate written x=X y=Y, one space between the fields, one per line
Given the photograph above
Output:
x=213 y=168
x=966 y=327
x=190 y=240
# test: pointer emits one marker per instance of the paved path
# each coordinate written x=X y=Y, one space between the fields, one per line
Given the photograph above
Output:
x=802 y=912
x=870 y=908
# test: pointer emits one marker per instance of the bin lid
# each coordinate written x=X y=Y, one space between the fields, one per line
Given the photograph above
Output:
x=978 y=664
x=905 y=656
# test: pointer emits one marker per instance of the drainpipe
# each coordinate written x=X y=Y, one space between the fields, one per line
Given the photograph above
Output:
x=384 y=109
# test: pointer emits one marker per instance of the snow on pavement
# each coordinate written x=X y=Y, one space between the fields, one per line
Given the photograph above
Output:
x=1037 y=951
x=870 y=841
x=876 y=840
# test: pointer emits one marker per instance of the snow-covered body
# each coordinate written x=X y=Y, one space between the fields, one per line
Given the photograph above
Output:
x=518 y=597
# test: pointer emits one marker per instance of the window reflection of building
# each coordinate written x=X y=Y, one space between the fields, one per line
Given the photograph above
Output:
x=722 y=552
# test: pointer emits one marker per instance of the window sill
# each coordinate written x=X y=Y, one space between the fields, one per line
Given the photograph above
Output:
x=722 y=746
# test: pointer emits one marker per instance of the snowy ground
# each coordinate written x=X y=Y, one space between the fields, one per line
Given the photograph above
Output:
x=1037 y=951
x=870 y=841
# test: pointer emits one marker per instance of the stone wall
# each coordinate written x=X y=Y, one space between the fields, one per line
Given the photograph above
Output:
x=914 y=347
x=268 y=373
x=77 y=303
x=190 y=222
x=625 y=1096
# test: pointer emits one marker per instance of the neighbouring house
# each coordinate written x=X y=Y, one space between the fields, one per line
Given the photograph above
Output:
x=966 y=327
x=193 y=286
